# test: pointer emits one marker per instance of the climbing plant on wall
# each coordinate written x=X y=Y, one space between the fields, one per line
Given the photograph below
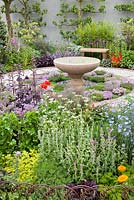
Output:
x=71 y=15
x=127 y=24
x=30 y=11
x=125 y=7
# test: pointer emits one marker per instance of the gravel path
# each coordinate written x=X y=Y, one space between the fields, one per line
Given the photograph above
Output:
x=116 y=71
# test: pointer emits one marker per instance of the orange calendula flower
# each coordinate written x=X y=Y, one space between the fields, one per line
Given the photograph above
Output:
x=121 y=168
x=122 y=178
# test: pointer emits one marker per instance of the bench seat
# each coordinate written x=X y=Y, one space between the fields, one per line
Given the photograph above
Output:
x=96 y=50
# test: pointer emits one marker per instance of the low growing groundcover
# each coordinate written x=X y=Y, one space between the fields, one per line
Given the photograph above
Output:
x=99 y=85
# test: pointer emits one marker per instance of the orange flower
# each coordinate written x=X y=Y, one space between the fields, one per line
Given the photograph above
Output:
x=122 y=178
x=121 y=168
x=92 y=105
x=45 y=84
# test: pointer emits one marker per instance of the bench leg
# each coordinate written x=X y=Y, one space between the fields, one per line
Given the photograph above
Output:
x=82 y=53
x=104 y=55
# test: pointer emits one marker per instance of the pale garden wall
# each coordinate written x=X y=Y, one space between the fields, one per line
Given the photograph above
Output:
x=53 y=7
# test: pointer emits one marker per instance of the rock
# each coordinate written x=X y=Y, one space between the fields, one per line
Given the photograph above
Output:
x=119 y=91
x=110 y=85
x=108 y=74
x=90 y=74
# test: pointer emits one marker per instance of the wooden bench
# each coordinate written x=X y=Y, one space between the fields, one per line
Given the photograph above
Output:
x=96 y=50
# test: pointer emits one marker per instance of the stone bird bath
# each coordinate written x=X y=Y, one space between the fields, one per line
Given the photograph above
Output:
x=76 y=67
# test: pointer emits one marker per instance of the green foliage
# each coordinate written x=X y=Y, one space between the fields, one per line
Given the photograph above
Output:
x=96 y=97
x=108 y=179
x=18 y=133
x=75 y=143
x=28 y=34
x=26 y=54
x=3 y=40
x=125 y=7
x=44 y=47
x=128 y=59
x=115 y=96
x=79 y=12
x=128 y=86
x=114 y=194
x=96 y=79
x=21 y=167
x=121 y=121
x=127 y=29
x=88 y=33
x=30 y=11
x=50 y=171
x=29 y=129
x=59 y=78
x=9 y=125
x=58 y=88
x=98 y=86
x=106 y=63
x=23 y=58
x=100 y=72
x=70 y=145
x=117 y=45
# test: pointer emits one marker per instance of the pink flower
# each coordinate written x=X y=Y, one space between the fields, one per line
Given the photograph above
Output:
x=92 y=142
x=18 y=153
x=14 y=41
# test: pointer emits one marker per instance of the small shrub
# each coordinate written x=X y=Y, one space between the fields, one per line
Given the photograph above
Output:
x=26 y=54
x=98 y=86
x=100 y=72
x=127 y=29
x=96 y=97
x=58 y=88
x=106 y=63
x=59 y=78
x=21 y=58
x=96 y=79
x=115 y=96
x=128 y=91
x=94 y=31
x=9 y=126
x=18 y=132
x=21 y=165
x=128 y=86
x=128 y=59
x=44 y=47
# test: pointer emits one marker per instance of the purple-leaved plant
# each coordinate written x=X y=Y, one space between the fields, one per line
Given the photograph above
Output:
x=19 y=96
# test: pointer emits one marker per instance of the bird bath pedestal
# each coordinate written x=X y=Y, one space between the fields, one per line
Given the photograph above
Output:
x=76 y=67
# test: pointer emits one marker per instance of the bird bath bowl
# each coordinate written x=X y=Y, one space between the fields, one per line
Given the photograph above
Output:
x=76 y=67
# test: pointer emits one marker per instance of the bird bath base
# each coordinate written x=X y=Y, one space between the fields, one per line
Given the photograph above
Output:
x=76 y=67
